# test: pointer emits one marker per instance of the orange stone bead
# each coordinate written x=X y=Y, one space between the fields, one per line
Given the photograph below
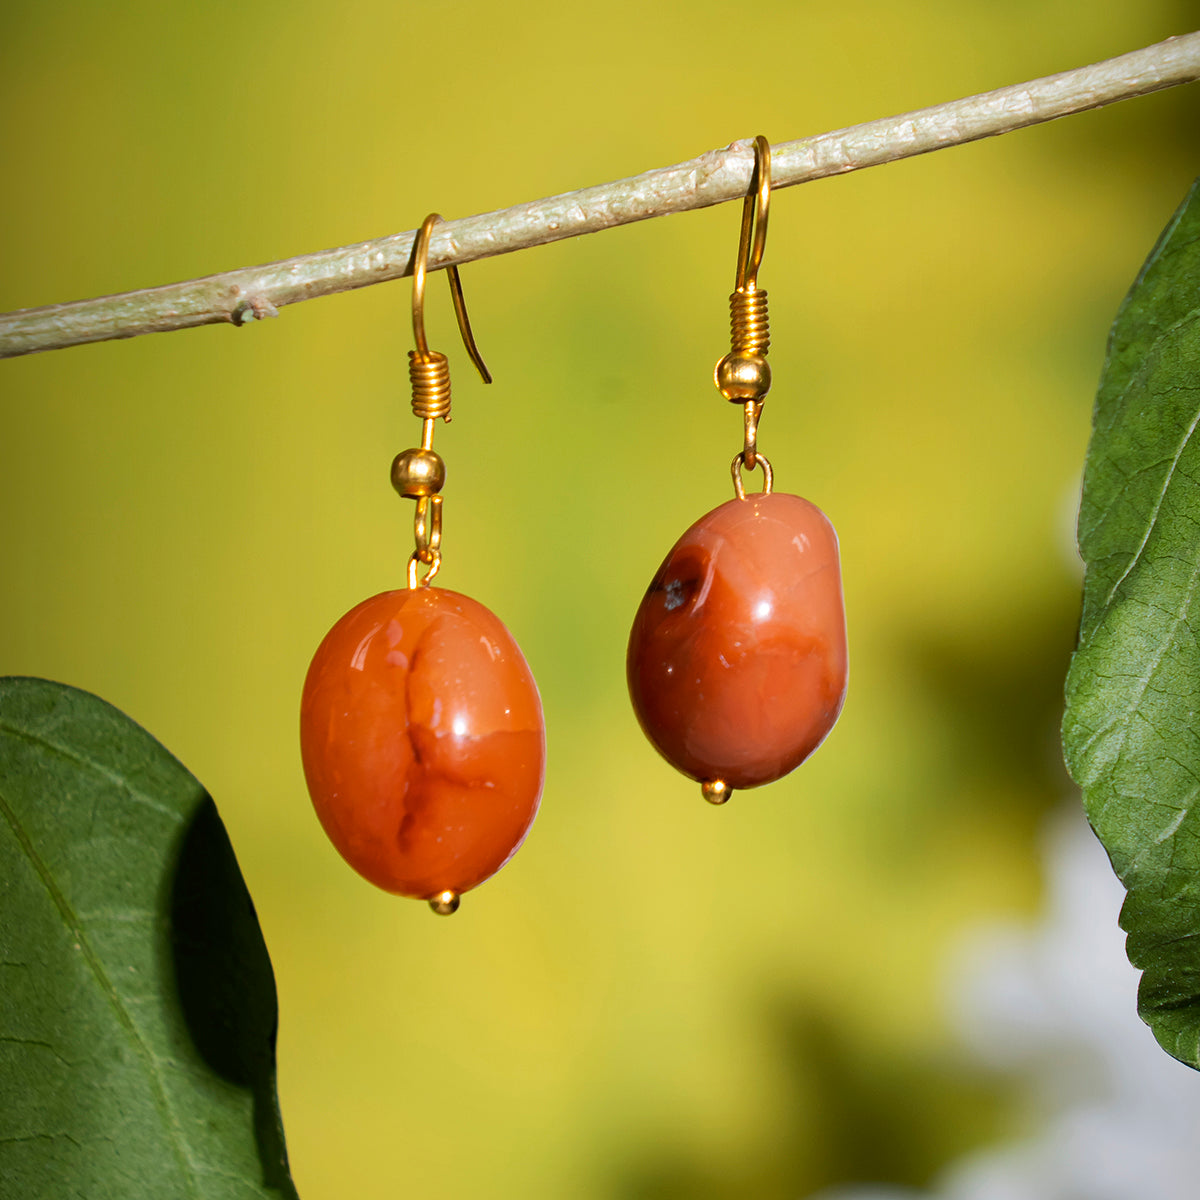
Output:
x=423 y=743
x=737 y=657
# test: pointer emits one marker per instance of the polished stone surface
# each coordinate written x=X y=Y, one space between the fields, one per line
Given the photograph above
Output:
x=423 y=743
x=737 y=657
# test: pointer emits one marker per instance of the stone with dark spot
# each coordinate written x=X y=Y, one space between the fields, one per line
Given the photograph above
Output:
x=737 y=657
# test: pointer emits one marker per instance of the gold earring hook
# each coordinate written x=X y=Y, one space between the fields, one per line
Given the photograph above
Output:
x=419 y=473
x=755 y=210
x=743 y=375
x=420 y=261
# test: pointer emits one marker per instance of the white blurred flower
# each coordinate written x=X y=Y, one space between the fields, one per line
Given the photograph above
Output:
x=1057 y=1005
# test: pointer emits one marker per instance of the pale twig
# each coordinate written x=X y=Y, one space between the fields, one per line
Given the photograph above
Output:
x=251 y=293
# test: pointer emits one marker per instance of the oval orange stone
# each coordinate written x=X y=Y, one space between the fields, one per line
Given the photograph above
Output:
x=423 y=742
x=737 y=657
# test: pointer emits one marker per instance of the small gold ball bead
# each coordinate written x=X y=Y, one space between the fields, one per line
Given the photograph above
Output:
x=444 y=903
x=716 y=791
x=418 y=473
x=742 y=376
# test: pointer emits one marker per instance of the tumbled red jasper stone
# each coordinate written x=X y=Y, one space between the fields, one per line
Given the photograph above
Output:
x=737 y=658
x=422 y=739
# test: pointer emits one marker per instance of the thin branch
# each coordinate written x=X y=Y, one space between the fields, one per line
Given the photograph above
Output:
x=241 y=296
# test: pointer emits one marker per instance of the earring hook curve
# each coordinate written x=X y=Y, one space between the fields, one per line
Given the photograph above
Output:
x=420 y=261
x=755 y=210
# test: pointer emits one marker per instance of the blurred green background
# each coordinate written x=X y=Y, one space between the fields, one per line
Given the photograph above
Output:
x=655 y=998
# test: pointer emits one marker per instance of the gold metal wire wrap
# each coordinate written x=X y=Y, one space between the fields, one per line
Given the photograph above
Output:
x=741 y=460
x=749 y=326
x=430 y=378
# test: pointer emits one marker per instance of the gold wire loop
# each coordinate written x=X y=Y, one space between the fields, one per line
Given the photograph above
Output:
x=755 y=210
x=427 y=534
x=427 y=528
x=760 y=460
x=413 y=581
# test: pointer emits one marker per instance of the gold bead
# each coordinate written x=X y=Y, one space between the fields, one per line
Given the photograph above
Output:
x=444 y=903
x=417 y=473
x=715 y=791
x=742 y=375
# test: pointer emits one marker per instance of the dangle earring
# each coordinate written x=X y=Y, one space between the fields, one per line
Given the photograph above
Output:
x=737 y=656
x=420 y=724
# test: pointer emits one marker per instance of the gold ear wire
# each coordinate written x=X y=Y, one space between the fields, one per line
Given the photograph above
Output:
x=420 y=260
x=428 y=369
x=755 y=210
x=743 y=376
x=420 y=473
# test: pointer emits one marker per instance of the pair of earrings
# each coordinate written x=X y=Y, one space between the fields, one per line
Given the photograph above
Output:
x=421 y=726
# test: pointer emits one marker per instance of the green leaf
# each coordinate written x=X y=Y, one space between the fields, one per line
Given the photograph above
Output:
x=137 y=1003
x=1131 y=733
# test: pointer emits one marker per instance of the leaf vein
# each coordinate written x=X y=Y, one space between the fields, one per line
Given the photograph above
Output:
x=101 y=975
x=99 y=768
x=10 y=1040
x=1133 y=561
